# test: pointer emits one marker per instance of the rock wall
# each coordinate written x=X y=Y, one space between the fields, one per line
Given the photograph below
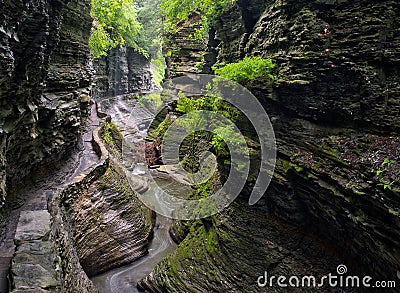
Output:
x=44 y=83
x=123 y=71
x=107 y=224
x=334 y=197
x=68 y=266
x=184 y=54
x=94 y=223
x=337 y=60
x=110 y=226
x=45 y=259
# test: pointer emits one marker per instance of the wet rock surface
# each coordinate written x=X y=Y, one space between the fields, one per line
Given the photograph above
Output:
x=111 y=227
x=335 y=114
x=123 y=71
x=334 y=198
x=45 y=72
x=45 y=67
x=35 y=256
x=108 y=226
x=242 y=245
x=30 y=202
x=337 y=63
x=45 y=98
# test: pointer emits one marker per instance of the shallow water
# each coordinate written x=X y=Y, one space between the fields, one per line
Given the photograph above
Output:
x=124 y=279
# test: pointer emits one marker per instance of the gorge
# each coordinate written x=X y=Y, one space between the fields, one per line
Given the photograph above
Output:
x=71 y=214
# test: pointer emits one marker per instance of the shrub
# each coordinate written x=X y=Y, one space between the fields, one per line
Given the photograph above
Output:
x=246 y=70
x=216 y=104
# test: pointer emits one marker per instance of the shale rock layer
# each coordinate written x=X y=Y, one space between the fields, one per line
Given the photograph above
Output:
x=45 y=75
x=335 y=112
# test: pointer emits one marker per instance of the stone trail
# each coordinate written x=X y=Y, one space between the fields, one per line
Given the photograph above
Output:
x=34 y=209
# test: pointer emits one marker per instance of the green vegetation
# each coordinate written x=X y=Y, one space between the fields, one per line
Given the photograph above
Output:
x=107 y=136
x=133 y=23
x=105 y=181
x=199 y=141
x=158 y=68
x=115 y=23
x=386 y=185
x=212 y=240
x=150 y=17
x=152 y=102
x=151 y=39
x=221 y=148
x=111 y=134
x=200 y=13
x=388 y=162
x=208 y=103
x=247 y=70
x=380 y=174
x=203 y=190
x=159 y=131
x=198 y=244
x=216 y=105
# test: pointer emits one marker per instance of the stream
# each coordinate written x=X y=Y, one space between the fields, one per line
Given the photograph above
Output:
x=124 y=279
x=33 y=195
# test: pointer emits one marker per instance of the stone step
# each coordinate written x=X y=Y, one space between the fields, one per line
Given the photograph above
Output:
x=4 y=270
x=33 y=262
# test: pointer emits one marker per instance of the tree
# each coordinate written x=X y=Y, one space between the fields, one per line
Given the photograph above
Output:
x=176 y=11
x=115 y=23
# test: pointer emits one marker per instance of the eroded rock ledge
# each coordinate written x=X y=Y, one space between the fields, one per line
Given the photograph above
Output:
x=335 y=112
x=94 y=223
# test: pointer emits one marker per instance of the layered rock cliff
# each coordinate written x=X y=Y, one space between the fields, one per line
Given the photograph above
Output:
x=109 y=225
x=122 y=71
x=334 y=198
x=342 y=56
x=45 y=82
x=64 y=233
x=106 y=223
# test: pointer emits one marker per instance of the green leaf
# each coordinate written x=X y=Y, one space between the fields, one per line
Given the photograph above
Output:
x=246 y=70
x=178 y=11
x=115 y=23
